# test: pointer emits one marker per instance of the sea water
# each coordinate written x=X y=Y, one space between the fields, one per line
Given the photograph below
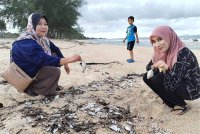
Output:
x=144 y=42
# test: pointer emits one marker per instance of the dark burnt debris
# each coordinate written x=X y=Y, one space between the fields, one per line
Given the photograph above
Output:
x=94 y=113
x=63 y=120
x=98 y=113
x=67 y=120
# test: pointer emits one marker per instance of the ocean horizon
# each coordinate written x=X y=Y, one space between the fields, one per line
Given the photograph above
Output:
x=144 y=42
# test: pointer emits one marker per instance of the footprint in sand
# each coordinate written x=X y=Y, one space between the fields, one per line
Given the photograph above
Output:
x=149 y=96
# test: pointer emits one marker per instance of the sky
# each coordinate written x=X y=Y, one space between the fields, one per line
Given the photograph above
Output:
x=108 y=18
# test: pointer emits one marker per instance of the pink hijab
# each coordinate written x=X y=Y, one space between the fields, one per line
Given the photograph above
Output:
x=175 y=45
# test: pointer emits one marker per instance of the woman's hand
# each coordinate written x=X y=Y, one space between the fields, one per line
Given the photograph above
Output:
x=76 y=58
x=72 y=59
x=160 y=64
x=67 y=69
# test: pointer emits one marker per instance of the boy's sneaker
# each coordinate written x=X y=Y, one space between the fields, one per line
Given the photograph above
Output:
x=130 y=60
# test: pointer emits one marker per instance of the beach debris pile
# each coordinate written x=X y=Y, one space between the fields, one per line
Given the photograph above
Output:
x=115 y=118
x=83 y=112
x=114 y=84
x=62 y=120
x=97 y=113
x=102 y=114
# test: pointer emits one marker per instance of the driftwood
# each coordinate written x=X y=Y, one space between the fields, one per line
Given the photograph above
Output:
x=102 y=63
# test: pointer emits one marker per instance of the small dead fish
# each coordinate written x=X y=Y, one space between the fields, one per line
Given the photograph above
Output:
x=55 y=130
x=71 y=126
x=28 y=120
x=28 y=105
x=98 y=109
x=41 y=116
x=48 y=129
x=57 y=97
x=90 y=105
x=103 y=115
x=150 y=74
x=83 y=65
x=128 y=127
x=56 y=115
x=132 y=132
x=92 y=113
x=115 y=128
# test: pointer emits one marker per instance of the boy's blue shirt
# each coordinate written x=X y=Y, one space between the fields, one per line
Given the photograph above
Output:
x=131 y=33
x=30 y=56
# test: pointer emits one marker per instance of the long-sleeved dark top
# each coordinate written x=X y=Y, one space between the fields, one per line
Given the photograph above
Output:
x=56 y=50
x=31 y=57
x=186 y=70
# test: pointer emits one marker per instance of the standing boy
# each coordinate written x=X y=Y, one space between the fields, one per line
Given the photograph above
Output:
x=131 y=33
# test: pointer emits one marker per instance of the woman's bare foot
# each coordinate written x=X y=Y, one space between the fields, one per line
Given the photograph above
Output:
x=180 y=110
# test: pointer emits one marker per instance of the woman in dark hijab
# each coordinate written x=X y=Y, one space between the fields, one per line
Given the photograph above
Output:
x=38 y=57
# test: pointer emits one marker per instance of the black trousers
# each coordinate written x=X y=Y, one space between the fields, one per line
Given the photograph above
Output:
x=170 y=98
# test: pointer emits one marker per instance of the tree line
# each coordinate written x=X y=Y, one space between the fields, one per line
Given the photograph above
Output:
x=62 y=15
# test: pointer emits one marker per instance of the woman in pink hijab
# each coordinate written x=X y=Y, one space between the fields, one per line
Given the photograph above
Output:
x=173 y=73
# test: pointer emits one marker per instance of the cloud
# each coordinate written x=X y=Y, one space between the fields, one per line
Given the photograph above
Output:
x=110 y=17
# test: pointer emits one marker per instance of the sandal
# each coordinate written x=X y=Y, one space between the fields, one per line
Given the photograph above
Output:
x=31 y=91
x=181 y=109
x=59 y=88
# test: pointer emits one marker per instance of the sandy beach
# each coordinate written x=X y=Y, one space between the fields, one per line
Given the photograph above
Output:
x=115 y=85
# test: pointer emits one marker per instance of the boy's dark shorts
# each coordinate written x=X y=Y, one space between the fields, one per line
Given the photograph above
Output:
x=130 y=45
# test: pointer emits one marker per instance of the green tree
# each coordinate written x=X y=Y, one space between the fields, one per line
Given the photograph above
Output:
x=62 y=15
x=2 y=27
